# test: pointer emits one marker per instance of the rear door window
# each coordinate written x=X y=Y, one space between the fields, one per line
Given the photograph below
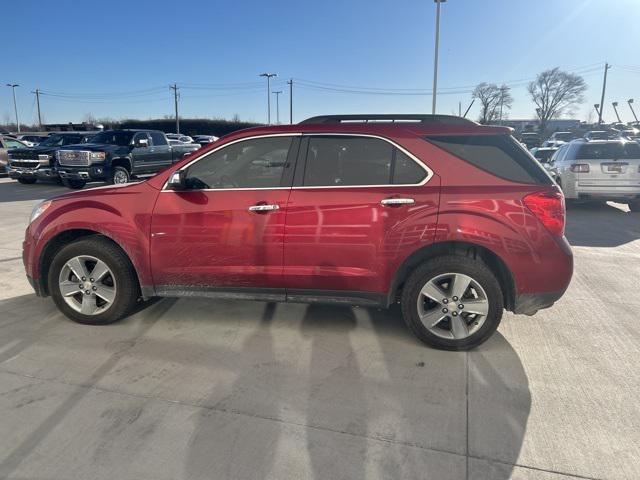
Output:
x=343 y=160
x=500 y=155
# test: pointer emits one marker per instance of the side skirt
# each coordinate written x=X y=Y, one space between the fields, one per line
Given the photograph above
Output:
x=331 y=297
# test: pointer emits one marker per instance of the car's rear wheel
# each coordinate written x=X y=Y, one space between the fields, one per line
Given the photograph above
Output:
x=75 y=184
x=93 y=282
x=452 y=302
x=27 y=181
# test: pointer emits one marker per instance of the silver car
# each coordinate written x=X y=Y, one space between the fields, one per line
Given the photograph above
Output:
x=599 y=169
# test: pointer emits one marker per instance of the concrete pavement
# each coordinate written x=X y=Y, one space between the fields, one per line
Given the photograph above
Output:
x=201 y=389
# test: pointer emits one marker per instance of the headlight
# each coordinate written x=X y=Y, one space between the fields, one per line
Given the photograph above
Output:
x=44 y=157
x=39 y=209
x=97 y=156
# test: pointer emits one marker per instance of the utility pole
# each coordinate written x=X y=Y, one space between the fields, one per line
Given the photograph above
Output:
x=435 y=63
x=269 y=76
x=469 y=108
x=175 y=89
x=37 y=92
x=15 y=105
x=630 y=102
x=277 y=93
x=615 y=109
x=290 y=83
x=604 y=88
x=459 y=109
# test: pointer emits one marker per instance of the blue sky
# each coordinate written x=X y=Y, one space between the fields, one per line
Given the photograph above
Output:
x=117 y=58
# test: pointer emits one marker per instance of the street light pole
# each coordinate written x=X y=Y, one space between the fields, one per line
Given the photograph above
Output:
x=268 y=76
x=604 y=88
x=630 y=101
x=435 y=63
x=615 y=109
x=15 y=104
x=290 y=83
x=277 y=93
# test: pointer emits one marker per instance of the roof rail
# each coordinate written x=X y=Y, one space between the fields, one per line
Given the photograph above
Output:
x=391 y=118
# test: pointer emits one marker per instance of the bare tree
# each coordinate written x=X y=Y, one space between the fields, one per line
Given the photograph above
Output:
x=555 y=92
x=493 y=100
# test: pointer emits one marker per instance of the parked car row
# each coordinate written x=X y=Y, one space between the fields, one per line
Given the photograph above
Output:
x=114 y=156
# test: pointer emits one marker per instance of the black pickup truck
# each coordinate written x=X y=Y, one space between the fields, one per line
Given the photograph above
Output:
x=28 y=165
x=118 y=155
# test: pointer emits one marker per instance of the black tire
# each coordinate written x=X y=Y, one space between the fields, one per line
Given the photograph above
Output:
x=479 y=272
x=127 y=288
x=27 y=181
x=634 y=206
x=118 y=173
x=74 y=184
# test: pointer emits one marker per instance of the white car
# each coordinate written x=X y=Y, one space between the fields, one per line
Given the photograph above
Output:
x=558 y=138
x=599 y=169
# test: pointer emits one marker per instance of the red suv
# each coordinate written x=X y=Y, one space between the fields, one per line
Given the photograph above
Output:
x=453 y=220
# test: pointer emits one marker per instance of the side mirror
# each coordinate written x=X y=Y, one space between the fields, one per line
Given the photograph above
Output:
x=141 y=143
x=177 y=181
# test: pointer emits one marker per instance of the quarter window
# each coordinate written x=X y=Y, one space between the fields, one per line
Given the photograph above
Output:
x=256 y=163
x=353 y=161
x=406 y=171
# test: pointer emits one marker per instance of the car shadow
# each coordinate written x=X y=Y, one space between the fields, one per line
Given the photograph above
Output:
x=601 y=225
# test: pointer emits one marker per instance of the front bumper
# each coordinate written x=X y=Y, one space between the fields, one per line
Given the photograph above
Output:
x=96 y=172
x=37 y=173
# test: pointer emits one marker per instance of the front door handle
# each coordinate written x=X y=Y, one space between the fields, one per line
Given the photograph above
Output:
x=264 y=208
x=394 y=202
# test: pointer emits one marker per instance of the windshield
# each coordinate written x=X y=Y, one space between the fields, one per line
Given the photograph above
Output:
x=544 y=155
x=113 y=138
x=59 y=140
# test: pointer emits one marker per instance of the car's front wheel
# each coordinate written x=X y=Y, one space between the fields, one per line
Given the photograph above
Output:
x=452 y=302
x=93 y=282
x=119 y=175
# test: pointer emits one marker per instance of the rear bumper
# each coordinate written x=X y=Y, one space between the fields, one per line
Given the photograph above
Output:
x=575 y=187
x=530 y=303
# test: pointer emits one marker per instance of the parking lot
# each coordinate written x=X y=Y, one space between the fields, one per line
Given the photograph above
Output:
x=198 y=388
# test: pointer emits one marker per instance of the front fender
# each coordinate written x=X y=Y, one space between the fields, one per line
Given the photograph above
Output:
x=120 y=214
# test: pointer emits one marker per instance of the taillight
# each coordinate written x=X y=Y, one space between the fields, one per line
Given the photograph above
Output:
x=548 y=207
x=580 y=167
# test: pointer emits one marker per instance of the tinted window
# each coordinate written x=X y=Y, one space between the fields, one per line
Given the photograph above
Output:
x=71 y=139
x=113 y=138
x=257 y=163
x=406 y=170
x=343 y=160
x=158 y=138
x=500 y=155
x=607 y=151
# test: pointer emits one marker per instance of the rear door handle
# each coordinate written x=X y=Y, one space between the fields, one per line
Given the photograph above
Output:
x=264 y=208
x=391 y=202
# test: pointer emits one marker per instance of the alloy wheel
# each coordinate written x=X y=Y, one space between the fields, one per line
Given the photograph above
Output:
x=87 y=285
x=453 y=306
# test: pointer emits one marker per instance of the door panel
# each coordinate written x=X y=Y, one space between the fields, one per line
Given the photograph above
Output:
x=345 y=239
x=210 y=238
